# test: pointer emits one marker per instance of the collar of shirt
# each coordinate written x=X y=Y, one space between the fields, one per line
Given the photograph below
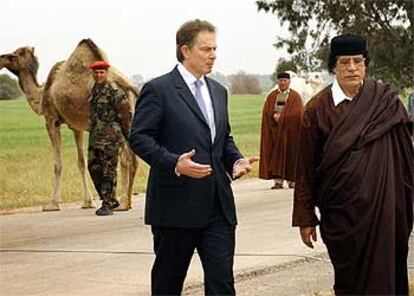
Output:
x=338 y=94
x=286 y=92
x=98 y=89
x=189 y=78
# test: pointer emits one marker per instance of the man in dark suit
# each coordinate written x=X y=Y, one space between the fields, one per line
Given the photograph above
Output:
x=181 y=130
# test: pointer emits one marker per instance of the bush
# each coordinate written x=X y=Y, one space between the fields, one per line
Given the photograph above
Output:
x=9 y=88
x=242 y=83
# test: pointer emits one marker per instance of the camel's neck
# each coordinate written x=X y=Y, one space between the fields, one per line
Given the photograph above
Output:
x=31 y=89
x=315 y=86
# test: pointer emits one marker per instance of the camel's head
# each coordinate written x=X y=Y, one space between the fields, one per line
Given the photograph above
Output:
x=314 y=78
x=21 y=59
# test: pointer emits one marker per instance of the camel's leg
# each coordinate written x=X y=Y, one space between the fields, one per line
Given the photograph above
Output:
x=132 y=172
x=88 y=202
x=124 y=162
x=128 y=166
x=53 y=130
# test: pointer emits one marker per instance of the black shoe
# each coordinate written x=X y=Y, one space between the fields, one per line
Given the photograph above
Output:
x=104 y=211
x=113 y=204
x=277 y=186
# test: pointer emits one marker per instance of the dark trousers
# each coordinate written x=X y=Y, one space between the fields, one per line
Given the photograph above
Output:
x=174 y=248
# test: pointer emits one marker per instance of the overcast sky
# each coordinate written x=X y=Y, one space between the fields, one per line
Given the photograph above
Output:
x=139 y=36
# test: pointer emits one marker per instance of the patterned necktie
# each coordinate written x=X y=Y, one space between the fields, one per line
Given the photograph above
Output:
x=199 y=98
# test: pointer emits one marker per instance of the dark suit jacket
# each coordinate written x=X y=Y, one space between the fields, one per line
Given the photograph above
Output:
x=168 y=123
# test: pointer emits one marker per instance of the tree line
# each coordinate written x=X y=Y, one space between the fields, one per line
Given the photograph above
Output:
x=239 y=83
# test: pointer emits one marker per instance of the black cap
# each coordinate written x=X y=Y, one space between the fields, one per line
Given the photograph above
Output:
x=346 y=44
x=283 y=75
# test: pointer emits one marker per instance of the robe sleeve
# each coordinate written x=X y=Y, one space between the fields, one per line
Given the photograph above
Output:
x=268 y=127
x=308 y=158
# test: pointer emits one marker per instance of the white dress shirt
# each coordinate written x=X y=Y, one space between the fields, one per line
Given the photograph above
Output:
x=190 y=81
x=338 y=94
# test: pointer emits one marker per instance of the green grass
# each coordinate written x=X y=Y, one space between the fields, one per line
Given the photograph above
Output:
x=245 y=118
x=26 y=156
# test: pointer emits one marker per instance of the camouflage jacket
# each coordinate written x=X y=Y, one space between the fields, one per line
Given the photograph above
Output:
x=110 y=115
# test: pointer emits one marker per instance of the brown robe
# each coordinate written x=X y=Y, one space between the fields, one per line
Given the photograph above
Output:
x=356 y=164
x=279 y=141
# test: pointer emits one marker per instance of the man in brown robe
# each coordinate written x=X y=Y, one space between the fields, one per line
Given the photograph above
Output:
x=356 y=164
x=282 y=114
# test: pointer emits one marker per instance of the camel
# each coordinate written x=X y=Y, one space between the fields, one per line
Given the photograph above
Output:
x=63 y=99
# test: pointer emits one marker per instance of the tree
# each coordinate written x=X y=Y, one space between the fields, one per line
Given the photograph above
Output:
x=242 y=83
x=138 y=80
x=386 y=24
x=220 y=78
x=265 y=81
x=9 y=88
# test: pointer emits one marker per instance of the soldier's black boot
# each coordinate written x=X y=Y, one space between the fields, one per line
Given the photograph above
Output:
x=104 y=210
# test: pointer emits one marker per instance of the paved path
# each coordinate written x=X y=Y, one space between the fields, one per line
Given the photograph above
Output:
x=74 y=252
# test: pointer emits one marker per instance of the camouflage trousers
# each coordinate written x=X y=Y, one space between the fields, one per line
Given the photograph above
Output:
x=102 y=164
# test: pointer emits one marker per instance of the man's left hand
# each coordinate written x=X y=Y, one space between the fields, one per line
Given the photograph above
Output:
x=243 y=166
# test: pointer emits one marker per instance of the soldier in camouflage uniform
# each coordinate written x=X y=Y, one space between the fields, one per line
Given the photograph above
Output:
x=110 y=120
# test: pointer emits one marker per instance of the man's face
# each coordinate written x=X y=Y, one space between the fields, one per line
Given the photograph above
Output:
x=283 y=83
x=199 y=58
x=100 y=76
x=350 y=71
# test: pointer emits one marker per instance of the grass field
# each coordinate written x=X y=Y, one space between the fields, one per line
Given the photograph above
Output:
x=26 y=157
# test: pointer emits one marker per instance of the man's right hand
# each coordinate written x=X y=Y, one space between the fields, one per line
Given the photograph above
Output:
x=185 y=166
x=276 y=117
x=308 y=234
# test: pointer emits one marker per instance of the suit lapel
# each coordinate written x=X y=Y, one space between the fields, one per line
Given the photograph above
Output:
x=185 y=93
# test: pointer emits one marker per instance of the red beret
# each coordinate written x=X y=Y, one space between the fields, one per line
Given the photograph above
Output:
x=99 y=65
